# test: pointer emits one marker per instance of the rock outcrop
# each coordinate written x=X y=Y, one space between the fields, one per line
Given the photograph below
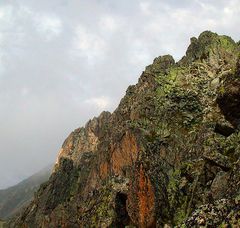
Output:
x=167 y=156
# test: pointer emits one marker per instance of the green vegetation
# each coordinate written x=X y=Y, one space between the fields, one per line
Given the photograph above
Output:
x=2 y=223
x=227 y=43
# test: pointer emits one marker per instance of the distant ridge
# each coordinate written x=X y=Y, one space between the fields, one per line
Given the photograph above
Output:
x=14 y=198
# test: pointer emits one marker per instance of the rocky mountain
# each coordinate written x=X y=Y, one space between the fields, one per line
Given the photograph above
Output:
x=168 y=156
x=13 y=199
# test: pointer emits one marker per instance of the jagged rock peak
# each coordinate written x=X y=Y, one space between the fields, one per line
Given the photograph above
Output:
x=160 y=64
x=210 y=45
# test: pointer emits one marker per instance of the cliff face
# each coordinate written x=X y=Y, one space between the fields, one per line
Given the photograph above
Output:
x=169 y=154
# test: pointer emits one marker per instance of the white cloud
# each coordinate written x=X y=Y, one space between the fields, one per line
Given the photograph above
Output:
x=108 y=23
x=48 y=26
x=24 y=91
x=101 y=102
x=206 y=6
x=145 y=8
x=139 y=53
x=6 y=17
x=5 y=12
x=88 y=44
x=1 y=69
x=231 y=13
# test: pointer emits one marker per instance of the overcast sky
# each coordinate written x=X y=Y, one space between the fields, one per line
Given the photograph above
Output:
x=64 y=61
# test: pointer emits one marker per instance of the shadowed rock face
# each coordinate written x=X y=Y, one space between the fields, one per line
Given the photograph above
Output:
x=229 y=102
x=161 y=157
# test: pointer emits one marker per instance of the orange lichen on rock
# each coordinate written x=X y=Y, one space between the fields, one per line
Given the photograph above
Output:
x=143 y=200
x=146 y=200
x=103 y=170
x=124 y=153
